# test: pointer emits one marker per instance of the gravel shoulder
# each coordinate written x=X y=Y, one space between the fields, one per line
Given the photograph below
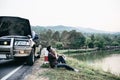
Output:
x=35 y=73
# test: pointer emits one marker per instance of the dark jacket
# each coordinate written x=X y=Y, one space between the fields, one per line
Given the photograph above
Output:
x=52 y=60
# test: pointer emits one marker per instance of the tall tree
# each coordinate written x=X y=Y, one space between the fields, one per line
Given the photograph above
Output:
x=64 y=38
x=76 y=39
x=56 y=36
x=46 y=38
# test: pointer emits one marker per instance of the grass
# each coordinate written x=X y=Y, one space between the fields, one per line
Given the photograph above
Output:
x=86 y=72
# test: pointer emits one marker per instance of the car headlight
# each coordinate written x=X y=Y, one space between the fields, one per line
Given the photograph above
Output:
x=24 y=51
x=21 y=51
x=22 y=43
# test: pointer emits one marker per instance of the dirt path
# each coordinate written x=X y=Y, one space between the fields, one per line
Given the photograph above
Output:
x=36 y=71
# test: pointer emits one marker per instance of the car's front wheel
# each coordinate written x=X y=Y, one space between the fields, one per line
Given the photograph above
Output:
x=31 y=58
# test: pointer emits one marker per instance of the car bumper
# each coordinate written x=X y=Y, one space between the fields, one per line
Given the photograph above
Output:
x=21 y=55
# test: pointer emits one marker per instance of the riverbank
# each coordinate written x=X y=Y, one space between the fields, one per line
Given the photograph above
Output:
x=86 y=72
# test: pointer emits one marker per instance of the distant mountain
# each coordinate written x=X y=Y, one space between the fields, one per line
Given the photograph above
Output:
x=61 y=28
x=68 y=28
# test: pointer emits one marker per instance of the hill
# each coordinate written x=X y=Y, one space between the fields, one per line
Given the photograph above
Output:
x=67 y=28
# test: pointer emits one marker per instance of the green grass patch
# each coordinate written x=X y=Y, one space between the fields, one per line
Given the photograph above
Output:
x=86 y=72
x=45 y=65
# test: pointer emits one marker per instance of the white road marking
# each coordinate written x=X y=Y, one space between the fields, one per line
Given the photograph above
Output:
x=11 y=73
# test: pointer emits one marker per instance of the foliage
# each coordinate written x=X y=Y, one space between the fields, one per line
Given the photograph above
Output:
x=91 y=44
x=62 y=40
x=59 y=45
x=86 y=72
x=76 y=40
x=115 y=43
x=56 y=36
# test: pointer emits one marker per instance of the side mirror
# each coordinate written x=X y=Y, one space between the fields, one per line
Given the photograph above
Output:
x=29 y=36
x=36 y=37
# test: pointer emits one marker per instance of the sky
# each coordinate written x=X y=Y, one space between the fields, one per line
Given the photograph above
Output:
x=96 y=14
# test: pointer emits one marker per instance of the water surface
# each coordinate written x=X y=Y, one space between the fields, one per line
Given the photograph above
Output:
x=108 y=61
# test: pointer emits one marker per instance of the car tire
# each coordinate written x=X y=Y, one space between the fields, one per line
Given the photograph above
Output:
x=39 y=54
x=31 y=58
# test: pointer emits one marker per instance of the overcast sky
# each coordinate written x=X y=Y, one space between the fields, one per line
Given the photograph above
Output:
x=97 y=14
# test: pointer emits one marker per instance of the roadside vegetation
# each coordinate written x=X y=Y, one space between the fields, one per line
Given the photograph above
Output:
x=77 y=40
x=86 y=72
x=73 y=44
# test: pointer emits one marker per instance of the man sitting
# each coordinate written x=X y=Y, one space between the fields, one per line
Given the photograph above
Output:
x=57 y=61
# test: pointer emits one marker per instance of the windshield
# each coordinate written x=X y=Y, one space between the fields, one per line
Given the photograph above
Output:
x=14 y=26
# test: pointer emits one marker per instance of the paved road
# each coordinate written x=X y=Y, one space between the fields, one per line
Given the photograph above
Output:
x=17 y=69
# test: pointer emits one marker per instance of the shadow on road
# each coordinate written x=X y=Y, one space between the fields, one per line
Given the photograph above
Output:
x=7 y=66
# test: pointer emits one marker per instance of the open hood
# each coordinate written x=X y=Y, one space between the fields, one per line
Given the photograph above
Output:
x=14 y=26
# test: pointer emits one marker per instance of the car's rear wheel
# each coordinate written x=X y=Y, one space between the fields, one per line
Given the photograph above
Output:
x=31 y=58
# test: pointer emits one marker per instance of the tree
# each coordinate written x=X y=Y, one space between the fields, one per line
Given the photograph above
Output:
x=64 y=38
x=91 y=44
x=59 y=45
x=49 y=34
x=99 y=42
x=92 y=38
x=76 y=39
x=46 y=38
x=107 y=39
x=115 y=43
x=87 y=41
x=56 y=36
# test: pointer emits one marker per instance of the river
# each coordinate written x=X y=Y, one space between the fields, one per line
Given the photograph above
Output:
x=108 y=61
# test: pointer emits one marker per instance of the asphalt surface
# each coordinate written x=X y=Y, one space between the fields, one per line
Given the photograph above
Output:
x=7 y=66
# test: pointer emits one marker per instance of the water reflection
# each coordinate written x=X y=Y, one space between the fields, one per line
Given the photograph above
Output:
x=110 y=63
x=105 y=60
